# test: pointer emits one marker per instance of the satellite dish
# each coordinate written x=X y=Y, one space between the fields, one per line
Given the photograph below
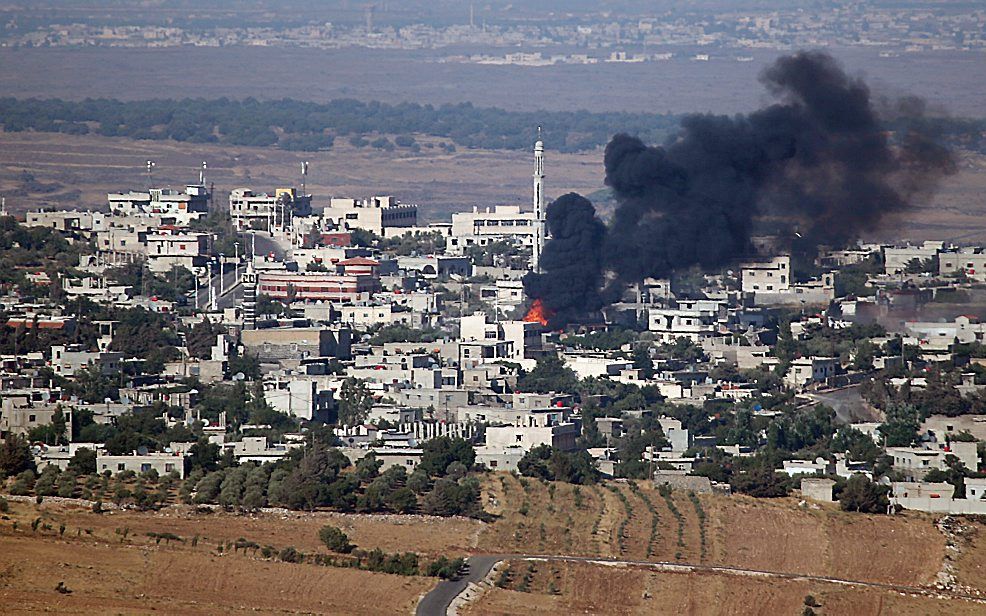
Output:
x=239 y=376
x=142 y=451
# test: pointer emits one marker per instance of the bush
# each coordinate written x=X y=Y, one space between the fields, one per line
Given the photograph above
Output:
x=4 y=505
x=862 y=495
x=445 y=568
x=291 y=555
x=335 y=540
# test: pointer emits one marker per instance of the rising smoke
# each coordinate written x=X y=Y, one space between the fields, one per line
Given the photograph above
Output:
x=818 y=162
x=572 y=261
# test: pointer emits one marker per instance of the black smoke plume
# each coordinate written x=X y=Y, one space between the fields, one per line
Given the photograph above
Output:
x=818 y=164
x=572 y=261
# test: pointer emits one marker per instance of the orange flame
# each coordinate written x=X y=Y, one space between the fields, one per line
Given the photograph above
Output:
x=538 y=313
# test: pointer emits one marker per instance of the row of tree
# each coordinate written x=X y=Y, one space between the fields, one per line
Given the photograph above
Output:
x=299 y=125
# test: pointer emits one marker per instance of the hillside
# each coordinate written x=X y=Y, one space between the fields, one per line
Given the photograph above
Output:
x=109 y=560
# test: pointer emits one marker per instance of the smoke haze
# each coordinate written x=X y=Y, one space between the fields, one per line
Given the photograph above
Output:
x=818 y=162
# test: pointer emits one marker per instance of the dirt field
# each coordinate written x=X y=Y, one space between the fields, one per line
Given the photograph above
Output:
x=77 y=172
x=575 y=588
x=763 y=534
x=131 y=573
x=109 y=574
x=298 y=529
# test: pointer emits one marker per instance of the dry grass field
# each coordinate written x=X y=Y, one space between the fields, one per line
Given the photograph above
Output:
x=107 y=571
x=577 y=588
x=739 y=531
x=77 y=171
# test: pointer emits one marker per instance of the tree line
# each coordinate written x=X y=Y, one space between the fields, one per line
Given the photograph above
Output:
x=307 y=126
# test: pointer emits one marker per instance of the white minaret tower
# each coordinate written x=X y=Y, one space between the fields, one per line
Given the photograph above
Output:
x=540 y=227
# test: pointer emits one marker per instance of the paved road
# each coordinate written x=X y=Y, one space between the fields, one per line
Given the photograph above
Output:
x=230 y=286
x=264 y=244
x=847 y=402
x=436 y=602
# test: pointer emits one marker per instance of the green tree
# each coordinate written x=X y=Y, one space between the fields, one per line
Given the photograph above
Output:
x=355 y=402
x=15 y=456
x=548 y=376
x=83 y=462
x=335 y=540
x=201 y=338
x=439 y=453
x=861 y=494
x=901 y=426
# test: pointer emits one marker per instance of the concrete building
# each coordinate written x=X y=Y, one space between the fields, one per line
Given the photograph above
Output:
x=773 y=275
x=317 y=286
x=66 y=361
x=806 y=371
x=896 y=259
x=502 y=222
x=184 y=205
x=294 y=343
x=943 y=427
x=970 y=262
x=171 y=247
x=257 y=449
x=938 y=497
x=267 y=212
x=817 y=489
x=299 y=397
x=374 y=214
x=523 y=336
x=434 y=266
x=407 y=457
x=163 y=463
x=560 y=436
x=915 y=462
x=695 y=320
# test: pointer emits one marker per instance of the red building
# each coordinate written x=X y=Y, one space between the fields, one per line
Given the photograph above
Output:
x=317 y=286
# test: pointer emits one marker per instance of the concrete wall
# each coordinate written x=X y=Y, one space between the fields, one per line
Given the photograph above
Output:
x=699 y=485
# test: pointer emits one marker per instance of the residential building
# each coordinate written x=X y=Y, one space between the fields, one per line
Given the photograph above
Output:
x=374 y=214
x=163 y=463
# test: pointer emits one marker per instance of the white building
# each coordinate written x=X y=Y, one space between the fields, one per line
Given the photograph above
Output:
x=695 y=320
x=896 y=260
x=560 y=436
x=773 y=275
x=262 y=211
x=374 y=214
x=185 y=206
x=163 y=463
x=806 y=371
x=169 y=248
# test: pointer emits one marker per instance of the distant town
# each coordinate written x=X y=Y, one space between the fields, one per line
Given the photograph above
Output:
x=891 y=29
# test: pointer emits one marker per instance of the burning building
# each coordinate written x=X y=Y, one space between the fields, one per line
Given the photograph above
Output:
x=818 y=165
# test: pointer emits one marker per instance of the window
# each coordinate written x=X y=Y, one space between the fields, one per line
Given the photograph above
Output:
x=493 y=465
x=520 y=437
x=121 y=466
x=32 y=418
x=144 y=467
x=169 y=467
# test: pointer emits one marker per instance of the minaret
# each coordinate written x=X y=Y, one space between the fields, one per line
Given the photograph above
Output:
x=540 y=227
x=250 y=297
